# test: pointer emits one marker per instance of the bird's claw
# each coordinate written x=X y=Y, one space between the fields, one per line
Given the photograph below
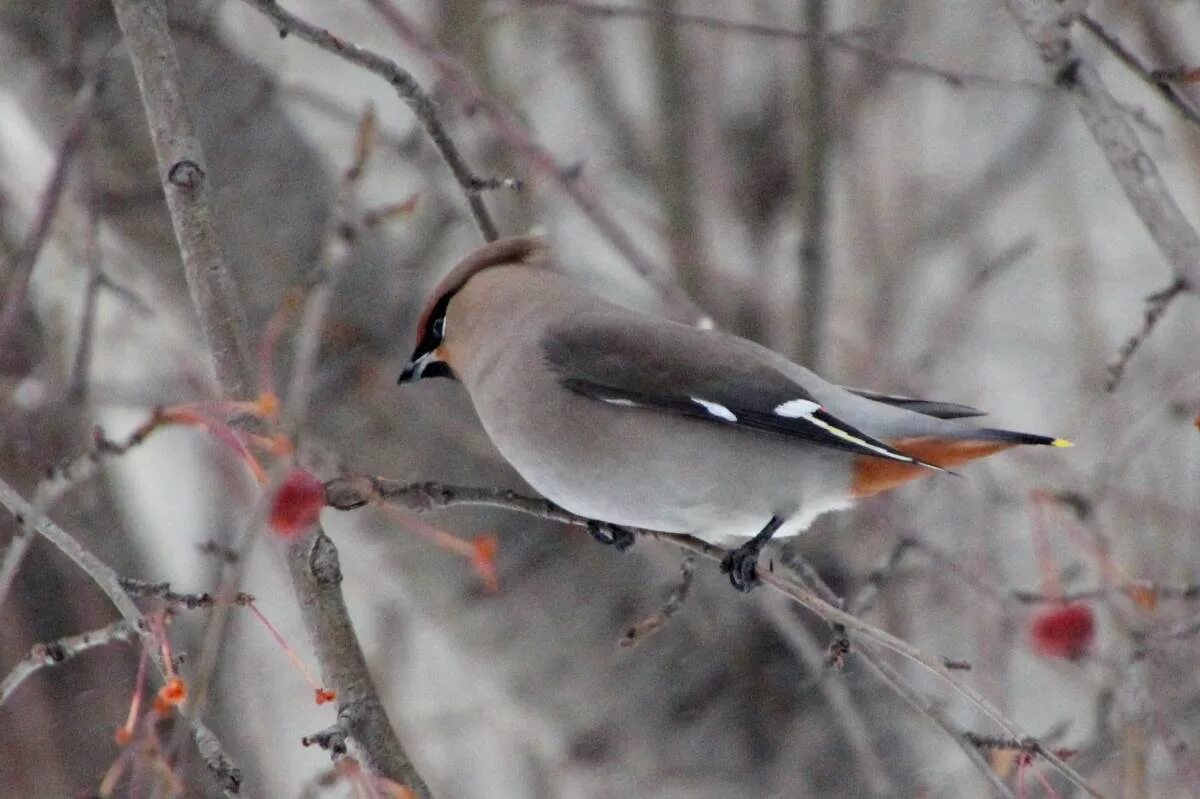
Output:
x=611 y=535
x=741 y=565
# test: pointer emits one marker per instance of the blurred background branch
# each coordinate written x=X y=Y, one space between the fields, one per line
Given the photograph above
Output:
x=971 y=249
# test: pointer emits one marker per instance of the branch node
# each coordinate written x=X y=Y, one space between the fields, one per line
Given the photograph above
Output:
x=1068 y=76
x=332 y=739
x=186 y=174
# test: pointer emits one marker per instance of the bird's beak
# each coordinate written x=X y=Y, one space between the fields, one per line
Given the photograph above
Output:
x=409 y=374
x=427 y=364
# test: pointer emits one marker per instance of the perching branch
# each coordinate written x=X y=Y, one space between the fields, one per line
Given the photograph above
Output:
x=348 y=493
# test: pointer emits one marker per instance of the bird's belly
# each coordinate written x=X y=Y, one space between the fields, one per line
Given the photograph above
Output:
x=644 y=468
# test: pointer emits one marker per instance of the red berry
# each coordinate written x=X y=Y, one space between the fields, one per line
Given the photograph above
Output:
x=1062 y=631
x=297 y=503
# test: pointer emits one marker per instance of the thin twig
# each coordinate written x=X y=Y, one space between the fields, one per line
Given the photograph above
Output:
x=843 y=41
x=864 y=600
x=403 y=144
x=26 y=256
x=162 y=590
x=639 y=632
x=78 y=384
x=1144 y=592
x=1158 y=80
x=108 y=581
x=1156 y=305
x=52 y=653
x=814 y=260
x=58 y=480
x=933 y=711
x=345 y=230
x=844 y=710
x=1049 y=30
x=406 y=87
x=459 y=82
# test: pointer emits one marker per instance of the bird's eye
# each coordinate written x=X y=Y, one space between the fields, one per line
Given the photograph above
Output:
x=438 y=328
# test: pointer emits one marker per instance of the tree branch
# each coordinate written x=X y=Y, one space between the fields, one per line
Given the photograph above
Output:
x=143 y=23
x=1155 y=79
x=1048 y=28
x=410 y=92
x=61 y=650
x=25 y=258
x=185 y=181
x=219 y=765
x=458 y=81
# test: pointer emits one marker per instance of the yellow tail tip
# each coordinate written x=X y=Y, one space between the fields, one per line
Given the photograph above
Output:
x=1062 y=442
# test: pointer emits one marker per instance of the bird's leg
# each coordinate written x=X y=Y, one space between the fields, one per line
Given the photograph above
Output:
x=611 y=535
x=740 y=563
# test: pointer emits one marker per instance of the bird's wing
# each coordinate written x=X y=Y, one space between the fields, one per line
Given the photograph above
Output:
x=624 y=360
x=934 y=408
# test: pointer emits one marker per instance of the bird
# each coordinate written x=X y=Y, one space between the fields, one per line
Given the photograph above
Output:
x=638 y=421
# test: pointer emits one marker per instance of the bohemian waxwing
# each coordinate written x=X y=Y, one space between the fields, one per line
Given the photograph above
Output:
x=637 y=421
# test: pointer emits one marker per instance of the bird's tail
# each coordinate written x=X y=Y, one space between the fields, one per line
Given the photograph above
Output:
x=1014 y=438
x=873 y=475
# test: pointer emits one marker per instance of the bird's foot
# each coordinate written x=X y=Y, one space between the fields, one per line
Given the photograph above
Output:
x=611 y=535
x=741 y=564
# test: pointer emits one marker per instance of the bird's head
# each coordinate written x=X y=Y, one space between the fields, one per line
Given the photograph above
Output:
x=432 y=356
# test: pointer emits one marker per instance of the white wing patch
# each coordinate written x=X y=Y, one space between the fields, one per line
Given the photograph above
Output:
x=794 y=409
x=715 y=409
x=624 y=403
x=807 y=410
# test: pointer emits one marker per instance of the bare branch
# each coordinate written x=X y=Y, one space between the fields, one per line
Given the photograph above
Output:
x=315 y=580
x=26 y=256
x=933 y=711
x=162 y=590
x=844 y=41
x=184 y=176
x=109 y=582
x=54 y=652
x=1158 y=80
x=60 y=479
x=317 y=575
x=1156 y=305
x=1048 y=27
x=656 y=621
x=458 y=81
x=410 y=92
